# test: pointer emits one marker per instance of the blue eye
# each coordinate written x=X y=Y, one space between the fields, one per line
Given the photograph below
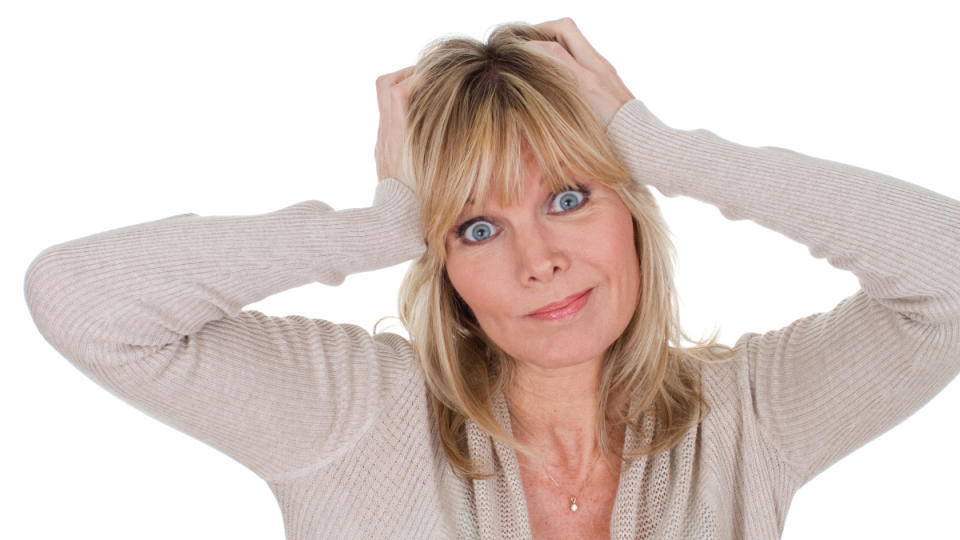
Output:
x=478 y=231
x=568 y=200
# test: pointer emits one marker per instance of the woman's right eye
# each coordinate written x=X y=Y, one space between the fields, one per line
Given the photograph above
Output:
x=477 y=231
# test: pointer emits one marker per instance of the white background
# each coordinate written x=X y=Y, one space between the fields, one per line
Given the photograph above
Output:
x=114 y=113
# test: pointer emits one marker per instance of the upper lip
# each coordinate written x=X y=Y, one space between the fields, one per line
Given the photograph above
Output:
x=553 y=306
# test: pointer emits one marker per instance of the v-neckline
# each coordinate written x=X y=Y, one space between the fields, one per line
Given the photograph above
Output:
x=508 y=459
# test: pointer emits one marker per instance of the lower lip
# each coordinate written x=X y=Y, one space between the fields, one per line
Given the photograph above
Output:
x=565 y=312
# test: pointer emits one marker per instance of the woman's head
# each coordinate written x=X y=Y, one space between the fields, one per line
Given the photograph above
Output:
x=498 y=132
x=506 y=263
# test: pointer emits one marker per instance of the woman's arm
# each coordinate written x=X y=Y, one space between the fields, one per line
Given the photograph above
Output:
x=152 y=312
x=830 y=382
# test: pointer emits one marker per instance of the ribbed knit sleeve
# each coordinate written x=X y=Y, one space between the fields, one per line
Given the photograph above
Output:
x=152 y=312
x=830 y=382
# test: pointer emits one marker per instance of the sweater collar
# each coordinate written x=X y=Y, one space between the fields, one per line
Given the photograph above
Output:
x=500 y=503
x=501 y=507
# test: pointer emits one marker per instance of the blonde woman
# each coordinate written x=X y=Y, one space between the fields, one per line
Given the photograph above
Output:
x=544 y=391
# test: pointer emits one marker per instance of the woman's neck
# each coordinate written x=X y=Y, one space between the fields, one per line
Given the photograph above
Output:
x=556 y=411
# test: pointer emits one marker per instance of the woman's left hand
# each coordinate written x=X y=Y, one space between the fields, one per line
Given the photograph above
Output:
x=597 y=79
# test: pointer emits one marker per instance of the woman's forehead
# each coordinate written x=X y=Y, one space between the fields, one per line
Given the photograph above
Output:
x=497 y=192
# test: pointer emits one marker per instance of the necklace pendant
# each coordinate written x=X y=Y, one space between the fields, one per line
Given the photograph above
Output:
x=573 y=504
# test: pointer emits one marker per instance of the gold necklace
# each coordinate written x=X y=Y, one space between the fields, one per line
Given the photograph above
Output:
x=573 y=498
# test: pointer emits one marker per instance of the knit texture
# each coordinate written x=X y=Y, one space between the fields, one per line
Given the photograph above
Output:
x=338 y=422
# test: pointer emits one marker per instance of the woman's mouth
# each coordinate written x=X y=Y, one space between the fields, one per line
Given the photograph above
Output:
x=565 y=309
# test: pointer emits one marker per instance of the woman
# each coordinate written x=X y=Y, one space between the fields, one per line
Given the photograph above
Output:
x=507 y=415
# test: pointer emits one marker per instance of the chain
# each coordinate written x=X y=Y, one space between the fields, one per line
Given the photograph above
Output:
x=573 y=498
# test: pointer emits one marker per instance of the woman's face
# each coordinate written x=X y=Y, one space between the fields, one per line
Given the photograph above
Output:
x=510 y=262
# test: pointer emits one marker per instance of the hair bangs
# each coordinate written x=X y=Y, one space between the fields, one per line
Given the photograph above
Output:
x=498 y=143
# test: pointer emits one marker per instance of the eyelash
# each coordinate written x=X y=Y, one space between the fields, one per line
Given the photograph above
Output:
x=462 y=229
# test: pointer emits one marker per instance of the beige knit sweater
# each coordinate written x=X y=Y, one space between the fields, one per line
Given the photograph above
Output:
x=336 y=421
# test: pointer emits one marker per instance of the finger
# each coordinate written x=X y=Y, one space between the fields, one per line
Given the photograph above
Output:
x=568 y=34
x=398 y=104
x=399 y=96
x=409 y=81
x=386 y=83
x=559 y=53
x=391 y=79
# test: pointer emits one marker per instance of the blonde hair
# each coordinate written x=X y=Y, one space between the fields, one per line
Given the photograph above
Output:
x=478 y=109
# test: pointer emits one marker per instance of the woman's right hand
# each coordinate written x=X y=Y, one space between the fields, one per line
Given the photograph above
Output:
x=393 y=91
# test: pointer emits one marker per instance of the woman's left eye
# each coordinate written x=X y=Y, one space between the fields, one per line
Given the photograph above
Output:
x=568 y=200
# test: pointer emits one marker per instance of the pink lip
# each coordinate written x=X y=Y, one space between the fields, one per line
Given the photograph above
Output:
x=564 y=309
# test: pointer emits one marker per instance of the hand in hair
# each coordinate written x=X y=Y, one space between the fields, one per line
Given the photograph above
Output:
x=393 y=90
x=597 y=79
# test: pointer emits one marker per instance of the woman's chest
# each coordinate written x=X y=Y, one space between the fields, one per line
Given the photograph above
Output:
x=550 y=513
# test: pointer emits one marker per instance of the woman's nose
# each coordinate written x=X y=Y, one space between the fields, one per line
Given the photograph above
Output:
x=540 y=254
